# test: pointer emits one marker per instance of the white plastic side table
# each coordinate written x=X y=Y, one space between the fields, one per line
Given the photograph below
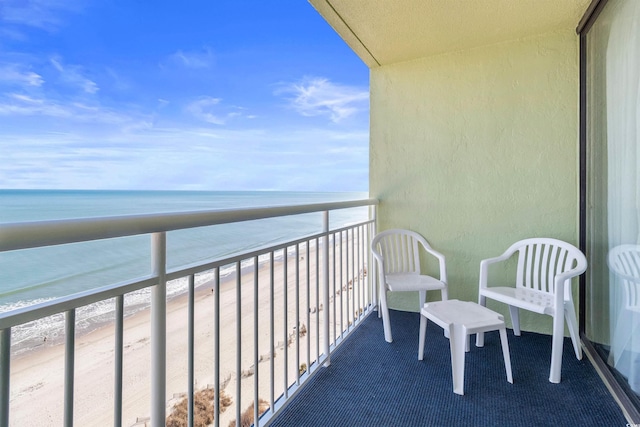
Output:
x=461 y=319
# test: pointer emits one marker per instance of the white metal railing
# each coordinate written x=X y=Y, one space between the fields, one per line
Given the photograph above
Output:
x=330 y=276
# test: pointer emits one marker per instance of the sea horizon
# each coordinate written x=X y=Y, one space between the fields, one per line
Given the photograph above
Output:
x=238 y=199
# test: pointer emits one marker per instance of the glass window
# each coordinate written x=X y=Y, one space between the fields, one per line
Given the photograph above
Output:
x=613 y=190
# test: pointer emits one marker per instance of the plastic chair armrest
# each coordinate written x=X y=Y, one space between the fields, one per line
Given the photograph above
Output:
x=485 y=263
x=441 y=262
x=561 y=278
x=378 y=260
x=438 y=255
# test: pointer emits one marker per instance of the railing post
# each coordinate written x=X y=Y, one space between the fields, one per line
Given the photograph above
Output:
x=5 y=375
x=271 y=334
x=69 y=363
x=256 y=360
x=373 y=272
x=118 y=362
x=216 y=349
x=191 y=355
x=239 y=340
x=325 y=286
x=158 y=329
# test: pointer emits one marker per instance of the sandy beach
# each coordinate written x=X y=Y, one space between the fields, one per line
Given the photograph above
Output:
x=37 y=381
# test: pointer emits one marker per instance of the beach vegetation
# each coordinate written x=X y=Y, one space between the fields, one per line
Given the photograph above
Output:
x=246 y=418
x=202 y=409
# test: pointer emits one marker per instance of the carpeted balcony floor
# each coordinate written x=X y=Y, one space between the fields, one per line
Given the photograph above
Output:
x=374 y=383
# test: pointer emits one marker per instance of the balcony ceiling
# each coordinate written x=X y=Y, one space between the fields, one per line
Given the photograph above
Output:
x=384 y=32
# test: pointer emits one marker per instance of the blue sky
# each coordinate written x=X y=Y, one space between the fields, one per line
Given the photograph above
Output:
x=191 y=95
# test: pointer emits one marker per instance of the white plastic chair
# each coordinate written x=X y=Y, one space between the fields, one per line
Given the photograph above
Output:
x=624 y=262
x=398 y=257
x=542 y=285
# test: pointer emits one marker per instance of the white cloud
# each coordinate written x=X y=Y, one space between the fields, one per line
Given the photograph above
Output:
x=187 y=158
x=12 y=34
x=25 y=105
x=203 y=59
x=202 y=109
x=17 y=74
x=319 y=97
x=73 y=75
x=43 y=14
x=208 y=109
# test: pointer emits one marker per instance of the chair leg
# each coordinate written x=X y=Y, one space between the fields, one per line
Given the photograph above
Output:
x=482 y=300
x=385 y=317
x=572 y=323
x=556 y=347
x=375 y=279
x=515 y=319
x=422 y=295
x=377 y=296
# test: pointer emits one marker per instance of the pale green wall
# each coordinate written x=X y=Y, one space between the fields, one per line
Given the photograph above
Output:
x=477 y=149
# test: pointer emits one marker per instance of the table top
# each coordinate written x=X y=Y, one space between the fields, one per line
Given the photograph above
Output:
x=460 y=312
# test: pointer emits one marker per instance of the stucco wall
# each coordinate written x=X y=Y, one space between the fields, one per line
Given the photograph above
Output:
x=477 y=149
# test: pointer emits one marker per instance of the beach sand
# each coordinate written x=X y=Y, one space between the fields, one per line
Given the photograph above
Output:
x=37 y=377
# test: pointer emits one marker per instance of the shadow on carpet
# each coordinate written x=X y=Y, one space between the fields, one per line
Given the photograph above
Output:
x=374 y=383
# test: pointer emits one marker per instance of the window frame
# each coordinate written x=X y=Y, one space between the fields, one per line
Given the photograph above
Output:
x=631 y=411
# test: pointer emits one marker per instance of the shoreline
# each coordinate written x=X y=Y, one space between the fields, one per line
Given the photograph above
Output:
x=55 y=335
x=37 y=375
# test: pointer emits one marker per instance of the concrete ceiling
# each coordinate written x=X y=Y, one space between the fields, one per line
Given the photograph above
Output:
x=384 y=32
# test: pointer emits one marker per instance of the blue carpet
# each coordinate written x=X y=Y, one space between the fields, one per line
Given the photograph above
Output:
x=374 y=383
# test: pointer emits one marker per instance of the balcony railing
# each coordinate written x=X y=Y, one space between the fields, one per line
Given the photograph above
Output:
x=318 y=291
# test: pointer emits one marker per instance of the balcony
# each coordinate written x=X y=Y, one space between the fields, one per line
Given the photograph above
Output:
x=290 y=324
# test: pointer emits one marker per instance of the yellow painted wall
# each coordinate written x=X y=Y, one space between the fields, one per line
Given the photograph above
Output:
x=477 y=149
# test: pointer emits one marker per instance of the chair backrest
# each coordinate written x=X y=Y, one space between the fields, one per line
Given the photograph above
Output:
x=624 y=262
x=398 y=250
x=541 y=259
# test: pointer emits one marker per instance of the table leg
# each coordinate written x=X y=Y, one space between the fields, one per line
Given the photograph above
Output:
x=505 y=353
x=457 y=343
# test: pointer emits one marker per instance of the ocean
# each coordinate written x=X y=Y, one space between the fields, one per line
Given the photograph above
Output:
x=36 y=275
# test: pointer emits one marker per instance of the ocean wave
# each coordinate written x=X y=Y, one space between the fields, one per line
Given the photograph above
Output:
x=49 y=331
